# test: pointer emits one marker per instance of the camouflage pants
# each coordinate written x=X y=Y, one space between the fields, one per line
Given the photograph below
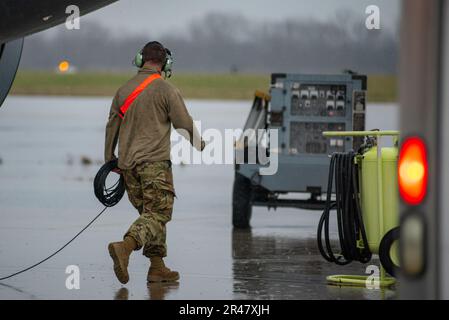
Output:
x=150 y=190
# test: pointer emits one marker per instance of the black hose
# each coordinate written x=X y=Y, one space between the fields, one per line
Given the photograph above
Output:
x=108 y=196
x=349 y=214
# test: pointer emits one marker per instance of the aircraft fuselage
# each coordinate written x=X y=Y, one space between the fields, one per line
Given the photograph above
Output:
x=19 y=18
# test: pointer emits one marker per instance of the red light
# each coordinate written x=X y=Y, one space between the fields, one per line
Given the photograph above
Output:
x=413 y=171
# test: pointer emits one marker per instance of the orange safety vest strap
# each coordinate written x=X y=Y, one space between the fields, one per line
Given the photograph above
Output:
x=130 y=99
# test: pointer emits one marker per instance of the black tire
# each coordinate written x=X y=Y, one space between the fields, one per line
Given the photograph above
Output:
x=384 y=251
x=241 y=202
x=259 y=194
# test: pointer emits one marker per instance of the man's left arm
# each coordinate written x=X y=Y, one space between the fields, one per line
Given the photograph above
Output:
x=112 y=131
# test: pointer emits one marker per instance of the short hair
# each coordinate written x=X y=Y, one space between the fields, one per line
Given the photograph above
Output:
x=154 y=52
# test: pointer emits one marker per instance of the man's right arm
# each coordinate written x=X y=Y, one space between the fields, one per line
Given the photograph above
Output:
x=182 y=121
x=112 y=131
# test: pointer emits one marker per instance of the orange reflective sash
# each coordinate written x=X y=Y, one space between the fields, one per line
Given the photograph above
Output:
x=130 y=99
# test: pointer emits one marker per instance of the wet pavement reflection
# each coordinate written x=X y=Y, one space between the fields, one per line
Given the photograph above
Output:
x=156 y=291
x=274 y=267
x=122 y=294
x=159 y=291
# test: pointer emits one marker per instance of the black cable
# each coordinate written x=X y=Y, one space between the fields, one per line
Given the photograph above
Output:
x=109 y=197
x=350 y=224
x=57 y=251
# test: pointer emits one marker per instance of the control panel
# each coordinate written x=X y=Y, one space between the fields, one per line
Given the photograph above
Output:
x=307 y=137
x=303 y=106
x=318 y=100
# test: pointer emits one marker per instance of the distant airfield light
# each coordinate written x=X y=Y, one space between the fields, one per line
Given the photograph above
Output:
x=64 y=66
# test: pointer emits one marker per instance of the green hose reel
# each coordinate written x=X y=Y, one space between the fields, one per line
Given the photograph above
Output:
x=379 y=202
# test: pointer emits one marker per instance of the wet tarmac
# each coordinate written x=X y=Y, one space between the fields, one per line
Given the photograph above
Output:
x=46 y=197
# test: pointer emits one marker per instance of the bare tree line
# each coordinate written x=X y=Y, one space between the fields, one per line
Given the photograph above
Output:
x=228 y=43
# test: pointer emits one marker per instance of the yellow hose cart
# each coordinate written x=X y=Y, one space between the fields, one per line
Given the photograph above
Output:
x=366 y=204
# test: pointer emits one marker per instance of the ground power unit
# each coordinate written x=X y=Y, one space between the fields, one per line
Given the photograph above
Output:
x=300 y=108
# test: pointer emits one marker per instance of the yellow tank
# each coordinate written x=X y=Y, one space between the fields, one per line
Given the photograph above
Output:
x=369 y=194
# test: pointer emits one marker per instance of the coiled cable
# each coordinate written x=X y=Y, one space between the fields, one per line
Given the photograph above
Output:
x=350 y=224
x=108 y=196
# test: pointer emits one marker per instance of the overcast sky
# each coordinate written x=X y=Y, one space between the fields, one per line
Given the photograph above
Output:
x=158 y=17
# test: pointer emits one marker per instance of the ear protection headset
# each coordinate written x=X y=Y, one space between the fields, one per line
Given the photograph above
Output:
x=166 y=68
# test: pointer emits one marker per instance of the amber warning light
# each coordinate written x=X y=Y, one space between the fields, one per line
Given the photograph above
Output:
x=413 y=171
x=64 y=66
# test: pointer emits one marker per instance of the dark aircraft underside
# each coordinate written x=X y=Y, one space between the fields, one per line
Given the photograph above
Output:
x=19 y=18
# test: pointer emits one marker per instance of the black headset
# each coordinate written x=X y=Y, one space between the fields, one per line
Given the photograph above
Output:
x=168 y=64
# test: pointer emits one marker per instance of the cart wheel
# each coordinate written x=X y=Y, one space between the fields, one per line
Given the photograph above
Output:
x=385 y=248
x=241 y=202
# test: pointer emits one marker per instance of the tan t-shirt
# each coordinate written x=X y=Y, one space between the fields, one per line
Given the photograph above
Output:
x=143 y=135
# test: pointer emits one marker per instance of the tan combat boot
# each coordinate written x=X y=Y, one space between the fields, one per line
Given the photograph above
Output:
x=120 y=252
x=158 y=272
